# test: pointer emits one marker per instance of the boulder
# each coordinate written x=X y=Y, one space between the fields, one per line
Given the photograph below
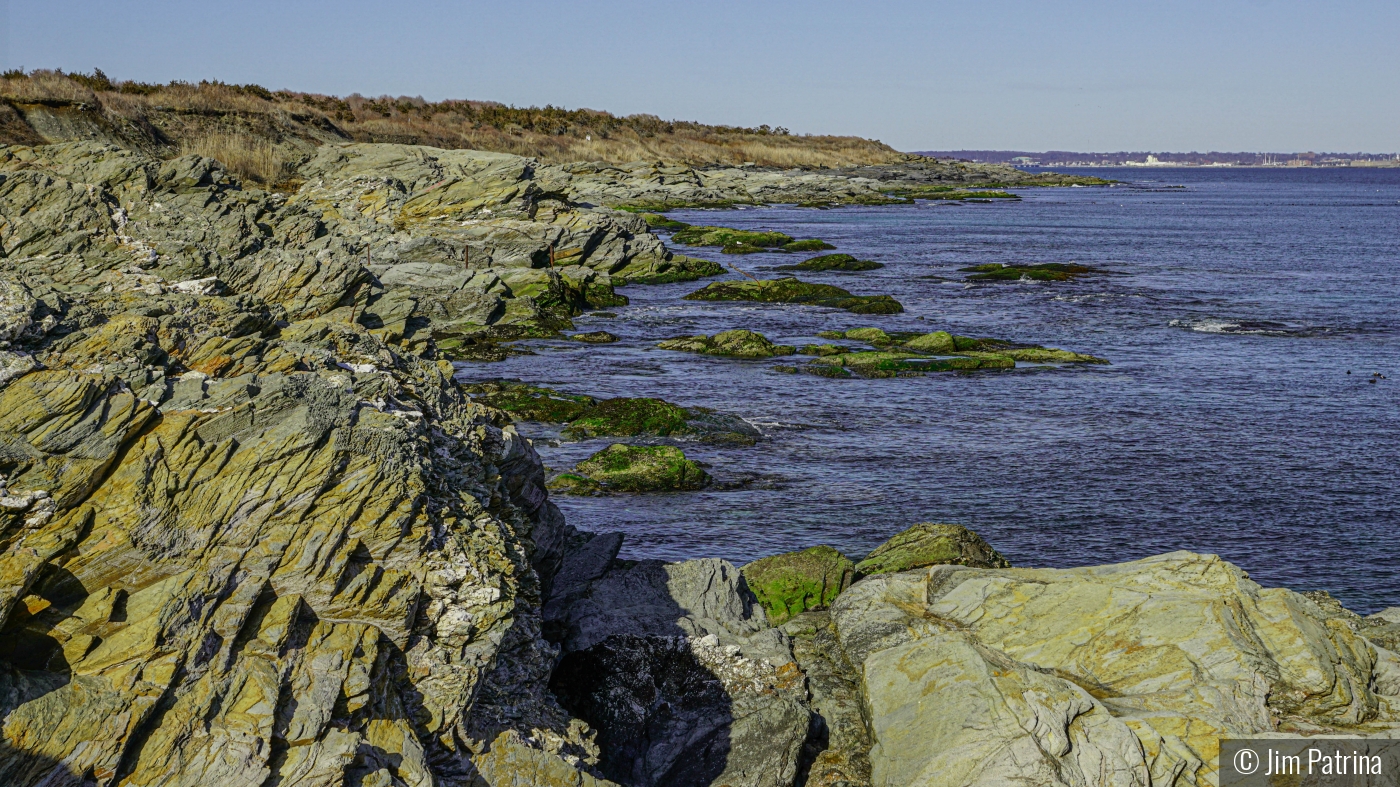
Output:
x=1122 y=674
x=930 y=544
x=795 y=582
x=643 y=468
x=936 y=343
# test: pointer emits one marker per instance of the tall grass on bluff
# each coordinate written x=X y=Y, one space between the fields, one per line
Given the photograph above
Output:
x=188 y=116
x=247 y=157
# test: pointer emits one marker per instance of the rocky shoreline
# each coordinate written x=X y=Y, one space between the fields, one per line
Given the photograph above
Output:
x=253 y=531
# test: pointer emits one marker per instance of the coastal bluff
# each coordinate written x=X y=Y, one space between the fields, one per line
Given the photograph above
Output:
x=253 y=531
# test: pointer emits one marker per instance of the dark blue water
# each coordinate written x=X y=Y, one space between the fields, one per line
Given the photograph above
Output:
x=1228 y=422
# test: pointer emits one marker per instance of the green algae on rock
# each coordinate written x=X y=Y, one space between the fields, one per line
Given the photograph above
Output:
x=936 y=343
x=824 y=349
x=574 y=484
x=931 y=544
x=732 y=241
x=734 y=344
x=795 y=582
x=726 y=236
x=897 y=364
x=593 y=337
x=643 y=468
x=791 y=290
x=1047 y=271
x=810 y=244
x=874 y=336
x=833 y=262
x=659 y=222
x=586 y=416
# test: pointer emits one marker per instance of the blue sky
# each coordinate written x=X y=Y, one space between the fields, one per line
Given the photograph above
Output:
x=1186 y=75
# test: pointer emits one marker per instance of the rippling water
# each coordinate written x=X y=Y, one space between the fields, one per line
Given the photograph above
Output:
x=1228 y=422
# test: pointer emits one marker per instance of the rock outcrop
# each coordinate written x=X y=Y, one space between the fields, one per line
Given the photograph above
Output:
x=1125 y=674
x=251 y=531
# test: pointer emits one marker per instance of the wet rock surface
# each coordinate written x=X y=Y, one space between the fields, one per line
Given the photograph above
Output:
x=634 y=468
x=733 y=344
x=586 y=416
x=791 y=290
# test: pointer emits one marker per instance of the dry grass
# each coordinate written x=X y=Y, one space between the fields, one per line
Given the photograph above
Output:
x=247 y=157
x=248 y=125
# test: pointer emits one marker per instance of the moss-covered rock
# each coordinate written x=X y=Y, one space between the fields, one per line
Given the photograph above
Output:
x=676 y=269
x=873 y=336
x=822 y=350
x=743 y=248
x=791 y=290
x=892 y=364
x=1050 y=355
x=586 y=416
x=627 y=417
x=726 y=237
x=809 y=244
x=795 y=582
x=833 y=262
x=659 y=222
x=734 y=344
x=574 y=484
x=643 y=468
x=936 y=343
x=1049 y=271
x=594 y=337
x=825 y=370
x=930 y=544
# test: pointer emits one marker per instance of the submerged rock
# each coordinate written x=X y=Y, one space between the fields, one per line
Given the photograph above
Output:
x=912 y=354
x=734 y=344
x=643 y=468
x=791 y=290
x=930 y=544
x=810 y=244
x=833 y=262
x=1048 y=271
x=795 y=582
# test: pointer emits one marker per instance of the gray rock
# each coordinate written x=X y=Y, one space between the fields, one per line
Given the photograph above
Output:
x=676 y=668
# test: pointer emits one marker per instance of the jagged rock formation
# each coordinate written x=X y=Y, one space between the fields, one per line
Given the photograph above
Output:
x=251 y=532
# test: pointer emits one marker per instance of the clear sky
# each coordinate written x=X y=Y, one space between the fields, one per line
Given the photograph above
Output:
x=1279 y=75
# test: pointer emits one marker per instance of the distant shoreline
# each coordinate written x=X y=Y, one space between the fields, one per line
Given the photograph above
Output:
x=1060 y=159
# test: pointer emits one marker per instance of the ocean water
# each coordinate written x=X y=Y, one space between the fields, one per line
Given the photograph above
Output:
x=1246 y=316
